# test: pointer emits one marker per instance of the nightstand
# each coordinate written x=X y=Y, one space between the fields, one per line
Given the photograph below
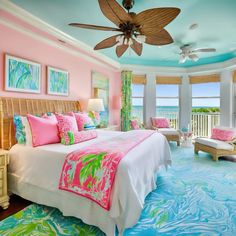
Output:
x=4 y=161
x=111 y=128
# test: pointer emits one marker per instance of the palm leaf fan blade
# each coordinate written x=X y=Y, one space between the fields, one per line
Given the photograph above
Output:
x=137 y=47
x=106 y=43
x=162 y=38
x=114 y=12
x=120 y=50
x=156 y=17
x=94 y=27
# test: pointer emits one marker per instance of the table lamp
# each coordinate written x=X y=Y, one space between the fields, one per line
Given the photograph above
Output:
x=95 y=104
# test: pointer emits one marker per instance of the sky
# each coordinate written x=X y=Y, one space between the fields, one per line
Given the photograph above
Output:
x=198 y=90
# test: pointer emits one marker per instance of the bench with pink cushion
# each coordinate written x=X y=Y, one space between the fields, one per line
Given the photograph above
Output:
x=221 y=143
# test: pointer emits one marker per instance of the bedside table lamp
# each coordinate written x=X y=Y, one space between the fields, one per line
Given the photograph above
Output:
x=95 y=105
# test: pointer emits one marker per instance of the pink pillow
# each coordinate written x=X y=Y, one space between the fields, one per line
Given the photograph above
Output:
x=70 y=137
x=160 y=122
x=134 y=124
x=223 y=134
x=82 y=119
x=66 y=124
x=44 y=130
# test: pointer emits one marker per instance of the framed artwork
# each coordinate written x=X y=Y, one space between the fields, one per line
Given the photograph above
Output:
x=22 y=75
x=57 y=81
x=100 y=89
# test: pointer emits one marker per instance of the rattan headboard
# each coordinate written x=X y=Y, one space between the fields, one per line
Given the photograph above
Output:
x=20 y=106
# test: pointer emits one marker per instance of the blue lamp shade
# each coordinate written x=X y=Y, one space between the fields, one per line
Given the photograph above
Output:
x=95 y=104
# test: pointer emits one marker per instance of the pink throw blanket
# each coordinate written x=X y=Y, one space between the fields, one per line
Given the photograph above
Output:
x=90 y=171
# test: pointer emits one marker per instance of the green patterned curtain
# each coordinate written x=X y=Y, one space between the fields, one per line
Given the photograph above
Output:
x=126 y=77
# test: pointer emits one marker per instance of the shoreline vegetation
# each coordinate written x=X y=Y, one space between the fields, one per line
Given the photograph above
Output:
x=206 y=110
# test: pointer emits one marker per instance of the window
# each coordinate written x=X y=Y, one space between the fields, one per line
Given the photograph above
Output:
x=137 y=101
x=205 y=108
x=167 y=102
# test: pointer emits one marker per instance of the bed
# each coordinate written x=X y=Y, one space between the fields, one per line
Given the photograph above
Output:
x=34 y=172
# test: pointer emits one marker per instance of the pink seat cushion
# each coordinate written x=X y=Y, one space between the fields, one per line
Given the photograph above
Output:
x=160 y=122
x=66 y=124
x=134 y=124
x=82 y=119
x=70 y=137
x=223 y=134
x=44 y=130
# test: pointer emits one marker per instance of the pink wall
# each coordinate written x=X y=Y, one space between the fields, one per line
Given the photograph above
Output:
x=21 y=45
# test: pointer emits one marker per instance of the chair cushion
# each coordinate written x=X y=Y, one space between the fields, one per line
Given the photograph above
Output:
x=160 y=122
x=168 y=131
x=223 y=133
x=214 y=143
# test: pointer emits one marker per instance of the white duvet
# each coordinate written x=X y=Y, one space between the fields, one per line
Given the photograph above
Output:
x=34 y=174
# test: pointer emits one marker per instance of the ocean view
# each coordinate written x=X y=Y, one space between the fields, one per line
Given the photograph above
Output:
x=167 y=111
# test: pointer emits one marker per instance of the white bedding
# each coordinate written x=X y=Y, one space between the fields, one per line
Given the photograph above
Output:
x=34 y=174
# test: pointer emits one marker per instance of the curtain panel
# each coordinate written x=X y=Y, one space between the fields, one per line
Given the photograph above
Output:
x=126 y=78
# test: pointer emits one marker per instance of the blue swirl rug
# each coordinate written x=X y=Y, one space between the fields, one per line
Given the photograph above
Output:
x=195 y=197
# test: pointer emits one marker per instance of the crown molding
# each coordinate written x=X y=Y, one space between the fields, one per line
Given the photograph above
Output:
x=85 y=49
x=194 y=70
x=54 y=44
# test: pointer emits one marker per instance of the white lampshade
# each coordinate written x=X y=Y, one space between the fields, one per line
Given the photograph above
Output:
x=95 y=104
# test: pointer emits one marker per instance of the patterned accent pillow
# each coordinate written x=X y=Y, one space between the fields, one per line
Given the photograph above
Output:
x=95 y=117
x=66 y=124
x=134 y=124
x=83 y=121
x=19 y=129
x=70 y=137
x=160 y=122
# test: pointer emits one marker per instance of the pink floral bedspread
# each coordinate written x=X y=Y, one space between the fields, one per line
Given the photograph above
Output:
x=90 y=171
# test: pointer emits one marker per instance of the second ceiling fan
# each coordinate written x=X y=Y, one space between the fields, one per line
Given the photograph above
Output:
x=133 y=29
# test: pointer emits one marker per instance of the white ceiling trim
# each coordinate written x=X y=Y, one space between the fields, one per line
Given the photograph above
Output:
x=38 y=23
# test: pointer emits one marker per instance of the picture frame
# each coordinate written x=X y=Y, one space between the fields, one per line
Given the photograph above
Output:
x=57 y=81
x=22 y=75
x=100 y=89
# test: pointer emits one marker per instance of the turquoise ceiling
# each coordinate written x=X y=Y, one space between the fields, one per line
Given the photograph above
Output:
x=216 y=21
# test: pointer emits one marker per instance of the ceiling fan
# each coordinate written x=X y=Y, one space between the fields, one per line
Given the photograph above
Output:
x=133 y=29
x=188 y=53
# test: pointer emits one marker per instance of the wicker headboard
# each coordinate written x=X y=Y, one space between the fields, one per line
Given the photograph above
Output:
x=20 y=106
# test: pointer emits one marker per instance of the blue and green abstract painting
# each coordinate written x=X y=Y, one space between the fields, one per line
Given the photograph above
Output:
x=57 y=82
x=196 y=196
x=22 y=75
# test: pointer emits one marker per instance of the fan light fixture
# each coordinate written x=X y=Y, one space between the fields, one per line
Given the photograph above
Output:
x=141 y=38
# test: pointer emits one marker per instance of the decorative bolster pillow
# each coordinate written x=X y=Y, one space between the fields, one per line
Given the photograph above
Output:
x=69 y=137
x=160 y=122
x=44 y=130
x=223 y=134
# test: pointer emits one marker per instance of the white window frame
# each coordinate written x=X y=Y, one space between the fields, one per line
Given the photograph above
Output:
x=138 y=97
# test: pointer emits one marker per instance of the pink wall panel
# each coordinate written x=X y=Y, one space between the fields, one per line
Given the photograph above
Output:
x=21 y=45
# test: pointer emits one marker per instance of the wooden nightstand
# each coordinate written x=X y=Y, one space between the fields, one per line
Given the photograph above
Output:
x=111 y=128
x=4 y=161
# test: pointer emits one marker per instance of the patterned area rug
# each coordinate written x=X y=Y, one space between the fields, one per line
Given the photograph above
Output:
x=195 y=197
